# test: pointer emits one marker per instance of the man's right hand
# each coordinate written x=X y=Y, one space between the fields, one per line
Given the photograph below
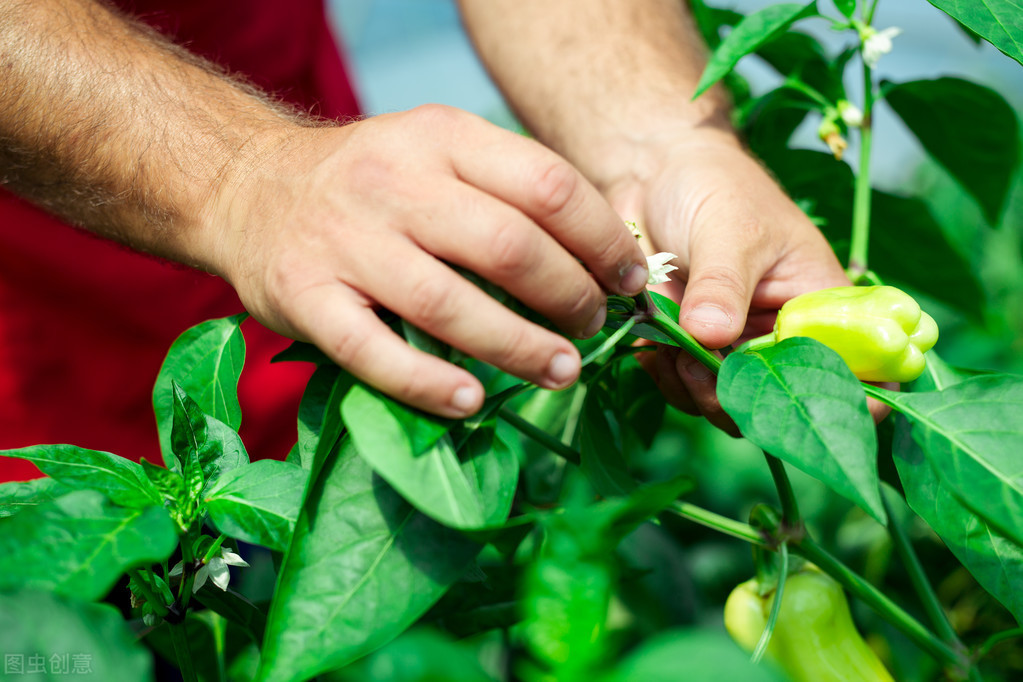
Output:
x=332 y=223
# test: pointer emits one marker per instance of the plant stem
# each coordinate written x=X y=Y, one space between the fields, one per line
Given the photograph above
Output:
x=918 y=577
x=611 y=341
x=182 y=651
x=539 y=435
x=717 y=522
x=996 y=639
x=757 y=343
x=214 y=549
x=783 y=574
x=690 y=345
x=789 y=507
x=879 y=602
x=861 y=197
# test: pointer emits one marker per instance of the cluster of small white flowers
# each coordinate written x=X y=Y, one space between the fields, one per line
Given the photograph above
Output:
x=877 y=43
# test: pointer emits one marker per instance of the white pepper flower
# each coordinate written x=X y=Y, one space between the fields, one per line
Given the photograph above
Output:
x=658 y=267
x=850 y=113
x=216 y=569
x=877 y=43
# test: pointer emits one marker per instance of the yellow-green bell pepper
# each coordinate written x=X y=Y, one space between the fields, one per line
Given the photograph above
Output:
x=879 y=331
x=814 y=638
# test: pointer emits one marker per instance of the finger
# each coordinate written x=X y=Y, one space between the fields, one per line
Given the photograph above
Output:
x=722 y=277
x=701 y=384
x=670 y=383
x=556 y=196
x=505 y=247
x=356 y=339
x=433 y=297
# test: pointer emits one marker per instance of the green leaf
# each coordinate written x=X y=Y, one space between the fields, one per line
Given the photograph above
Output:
x=752 y=32
x=169 y=484
x=846 y=7
x=299 y=351
x=206 y=361
x=420 y=655
x=491 y=467
x=905 y=239
x=235 y=608
x=707 y=655
x=80 y=544
x=602 y=460
x=802 y=58
x=972 y=435
x=258 y=503
x=987 y=553
x=69 y=639
x=363 y=565
x=798 y=401
x=411 y=453
x=16 y=496
x=997 y=21
x=204 y=447
x=313 y=410
x=120 y=479
x=969 y=129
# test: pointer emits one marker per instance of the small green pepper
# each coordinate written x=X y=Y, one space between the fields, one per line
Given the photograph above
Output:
x=879 y=331
x=814 y=639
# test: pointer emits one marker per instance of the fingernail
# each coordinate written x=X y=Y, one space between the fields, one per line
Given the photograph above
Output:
x=710 y=315
x=465 y=400
x=697 y=371
x=596 y=324
x=634 y=279
x=563 y=369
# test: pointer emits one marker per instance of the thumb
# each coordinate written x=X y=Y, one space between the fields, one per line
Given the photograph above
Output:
x=717 y=295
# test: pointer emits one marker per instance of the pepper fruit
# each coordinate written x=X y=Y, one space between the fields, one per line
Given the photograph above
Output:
x=879 y=331
x=814 y=638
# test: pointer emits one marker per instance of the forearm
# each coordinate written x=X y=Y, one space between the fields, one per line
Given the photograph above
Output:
x=599 y=79
x=113 y=128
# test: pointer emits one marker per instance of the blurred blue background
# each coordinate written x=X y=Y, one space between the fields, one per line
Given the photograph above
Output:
x=409 y=52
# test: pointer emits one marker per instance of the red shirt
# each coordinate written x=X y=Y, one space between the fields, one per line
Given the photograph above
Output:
x=85 y=323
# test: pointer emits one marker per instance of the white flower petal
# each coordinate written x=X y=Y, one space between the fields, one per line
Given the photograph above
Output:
x=851 y=115
x=178 y=568
x=878 y=43
x=658 y=267
x=200 y=578
x=220 y=574
x=232 y=559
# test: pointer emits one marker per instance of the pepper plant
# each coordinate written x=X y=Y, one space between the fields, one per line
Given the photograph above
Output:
x=592 y=534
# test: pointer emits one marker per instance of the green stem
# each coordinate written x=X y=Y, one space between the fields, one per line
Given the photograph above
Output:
x=684 y=339
x=875 y=599
x=996 y=639
x=214 y=548
x=783 y=574
x=717 y=522
x=789 y=507
x=861 y=197
x=799 y=86
x=183 y=652
x=757 y=343
x=611 y=341
x=527 y=428
x=159 y=608
x=931 y=604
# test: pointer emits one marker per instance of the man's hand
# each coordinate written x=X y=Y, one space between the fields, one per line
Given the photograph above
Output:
x=744 y=249
x=337 y=221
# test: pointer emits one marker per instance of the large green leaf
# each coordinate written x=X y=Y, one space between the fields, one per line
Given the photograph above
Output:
x=362 y=566
x=80 y=544
x=706 y=655
x=798 y=401
x=972 y=436
x=969 y=129
x=905 y=239
x=312 y=411
x=993 y=558
x=206 y=361
x=68 y=640
x=413 y=454
x=750 y=33
x=258 y=503
x=420 y=655
x=1000 y=22
x=16 y=496
x=601 y=457
x=120 y=479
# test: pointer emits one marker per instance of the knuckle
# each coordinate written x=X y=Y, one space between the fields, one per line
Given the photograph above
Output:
x=511 y=250
x=555 y=188
x=350 y=349
x=724 y=278
x=428 y=300
x=434 y=116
